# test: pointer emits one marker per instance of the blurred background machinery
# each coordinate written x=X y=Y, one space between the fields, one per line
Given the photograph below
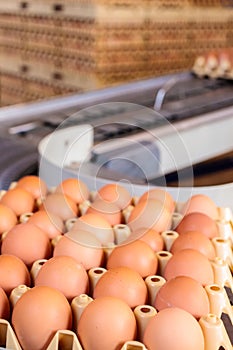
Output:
x=56 y=48
x=59 y=59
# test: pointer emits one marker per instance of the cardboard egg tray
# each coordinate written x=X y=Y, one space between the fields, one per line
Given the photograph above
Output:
x=68 y=42
x=217 y=326
x=9 y=98
x=97 y=10
x=215 y=64
x=18 y=37
x=18 y=88
x=196 y=28
x=70 y=71
x=206 y=3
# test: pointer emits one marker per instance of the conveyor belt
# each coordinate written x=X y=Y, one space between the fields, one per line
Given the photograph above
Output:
x=187 y=102
x=187 y=98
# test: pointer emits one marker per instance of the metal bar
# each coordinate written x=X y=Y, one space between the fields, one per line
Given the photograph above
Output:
x=123 y=93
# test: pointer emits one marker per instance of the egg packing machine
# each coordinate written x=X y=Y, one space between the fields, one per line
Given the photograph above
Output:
x=162 y=131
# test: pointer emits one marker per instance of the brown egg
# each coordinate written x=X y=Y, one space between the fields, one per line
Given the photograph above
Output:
x=190 y=262
x=33 y=184
x=109 y=211
x=198 y=222
x=64 y=274
x=4 y=305
x=161 y=195
x=150 y=214
x=97 y=225
x=83 y=246
x=13 y=272
x=136 y=255
x=115 y=193
x=75 y=189
x=38 y=314
x=8 y=218
x=28 y=242
x=60 y=205
x=19 y=200
x=50 y=223
x=173 y=329
x=106 y=323
x=124 y=283
x=149 y=236
x=183 y=292
x=194 y=240
x=202 y=204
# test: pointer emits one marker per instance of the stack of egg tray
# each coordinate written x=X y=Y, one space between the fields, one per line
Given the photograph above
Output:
x=79 y=45
x=173 y=39
x=210 y=3
x=16 y=88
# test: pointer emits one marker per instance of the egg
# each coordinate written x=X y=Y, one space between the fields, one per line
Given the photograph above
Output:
x=173 y=328
x=225 y=61
x=106 y=323
x=97 y=225
x=19 y=200
x=183 y=292
x=136 y=255
x=150 y=214
x=109 y=211
x=33 y=184
x=198 y=222
x=149 y=236
x=8 y=218
x=192 y=263
x=65 y=274
x=194 y=240
x=4 y=305
x=38 y=314
x=50 y=223
x=75 y=189
x=83 y=246
x=13 y=272
x=124 y=283
x=202 y=204
x=16 y=293
x=60 y=205
x=161 y=195
x=115 y=193
x=28 y=242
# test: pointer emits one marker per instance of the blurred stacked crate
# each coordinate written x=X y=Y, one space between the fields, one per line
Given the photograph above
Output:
x=50 y=48
x=177 y=36
x=70 y=45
